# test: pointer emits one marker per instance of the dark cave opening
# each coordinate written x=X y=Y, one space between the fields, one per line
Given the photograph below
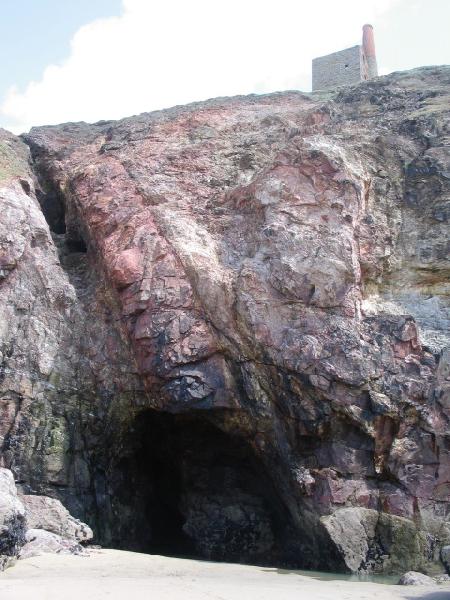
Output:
x=52 y=205
x=189 y=489
x=76 y=244
x=66 y=235
x=62 y=222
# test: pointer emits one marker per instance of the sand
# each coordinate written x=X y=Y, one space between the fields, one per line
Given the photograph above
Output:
x=114 y=575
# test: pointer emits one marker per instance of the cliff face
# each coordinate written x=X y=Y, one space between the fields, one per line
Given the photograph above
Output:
x=223 y=327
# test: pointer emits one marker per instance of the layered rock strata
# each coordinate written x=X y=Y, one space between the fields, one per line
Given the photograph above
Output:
x=224 y=327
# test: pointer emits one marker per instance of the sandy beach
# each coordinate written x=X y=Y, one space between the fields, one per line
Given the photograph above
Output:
x=117 y=575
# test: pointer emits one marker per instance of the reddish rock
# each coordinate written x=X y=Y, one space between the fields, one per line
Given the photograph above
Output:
x=127 y=268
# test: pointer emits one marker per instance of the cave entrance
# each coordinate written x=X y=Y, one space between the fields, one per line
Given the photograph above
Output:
x=189 y=489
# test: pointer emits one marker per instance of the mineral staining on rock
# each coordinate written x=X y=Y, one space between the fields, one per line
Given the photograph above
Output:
x=228 y=335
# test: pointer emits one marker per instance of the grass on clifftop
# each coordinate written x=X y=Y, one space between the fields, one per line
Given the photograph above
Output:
x=12 y=163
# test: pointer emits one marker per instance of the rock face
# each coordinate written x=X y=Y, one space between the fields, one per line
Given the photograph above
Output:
x=224 y=327
x=12 y=519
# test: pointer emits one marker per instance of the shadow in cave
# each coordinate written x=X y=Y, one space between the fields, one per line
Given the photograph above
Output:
x=189 y=489
x=52 y=205
x=67 y=236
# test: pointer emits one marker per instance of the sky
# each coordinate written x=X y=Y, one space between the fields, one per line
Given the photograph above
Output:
x=86 y=60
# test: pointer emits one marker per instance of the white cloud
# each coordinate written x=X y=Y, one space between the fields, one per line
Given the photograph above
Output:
x=160 y=53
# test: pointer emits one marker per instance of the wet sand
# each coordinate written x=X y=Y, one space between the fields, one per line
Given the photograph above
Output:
x=118 y=575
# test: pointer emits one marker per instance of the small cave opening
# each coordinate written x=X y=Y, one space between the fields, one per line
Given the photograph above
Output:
x=65 y=229
x=189 y=489
x=52 y=205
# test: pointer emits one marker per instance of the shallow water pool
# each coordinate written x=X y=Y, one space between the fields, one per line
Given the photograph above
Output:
x=329 y=576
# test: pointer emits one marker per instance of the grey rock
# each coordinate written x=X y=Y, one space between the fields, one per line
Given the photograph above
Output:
x=47 y=513
x=368 y=540
x=352 y=531
x=12 y=517
x=415 y=578
x=7 y=561
x=445 y=557
x=39 y=541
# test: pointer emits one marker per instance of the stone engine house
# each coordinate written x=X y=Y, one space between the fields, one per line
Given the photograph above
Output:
x=349 y=66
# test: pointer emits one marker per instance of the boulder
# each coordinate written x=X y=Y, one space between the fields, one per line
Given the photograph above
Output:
x=39 y=541
x=47 y=513
x=415 y=578
x=445 y=557
x=406 y=546
x=369 y=540
x=12 y=519
x=352 y=530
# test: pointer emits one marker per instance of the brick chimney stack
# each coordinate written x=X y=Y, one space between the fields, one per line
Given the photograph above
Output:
x=369 y=51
